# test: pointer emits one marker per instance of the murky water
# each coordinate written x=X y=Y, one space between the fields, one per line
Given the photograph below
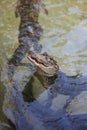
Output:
x=65 y=38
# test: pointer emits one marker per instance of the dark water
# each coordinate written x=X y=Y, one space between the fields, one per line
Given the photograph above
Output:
x=64 y=105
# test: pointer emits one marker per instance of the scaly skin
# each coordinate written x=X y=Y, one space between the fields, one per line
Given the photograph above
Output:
x=46 y=68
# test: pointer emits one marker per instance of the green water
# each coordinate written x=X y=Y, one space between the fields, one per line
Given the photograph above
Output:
x=65 y=31
x=65 y=35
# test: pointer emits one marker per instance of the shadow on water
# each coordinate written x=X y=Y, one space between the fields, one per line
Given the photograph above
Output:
x=43 y=112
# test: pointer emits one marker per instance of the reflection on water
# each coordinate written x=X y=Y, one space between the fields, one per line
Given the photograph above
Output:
x=65 y=30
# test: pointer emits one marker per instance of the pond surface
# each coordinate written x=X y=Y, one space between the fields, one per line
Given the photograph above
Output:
x=65 y=38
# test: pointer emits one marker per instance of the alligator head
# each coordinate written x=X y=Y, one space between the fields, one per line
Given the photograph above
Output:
x=46 y=67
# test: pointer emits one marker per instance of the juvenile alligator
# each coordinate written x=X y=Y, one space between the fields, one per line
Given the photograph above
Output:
x=46 y=68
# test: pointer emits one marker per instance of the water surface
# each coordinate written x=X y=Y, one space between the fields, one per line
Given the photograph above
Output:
x=65 y=38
